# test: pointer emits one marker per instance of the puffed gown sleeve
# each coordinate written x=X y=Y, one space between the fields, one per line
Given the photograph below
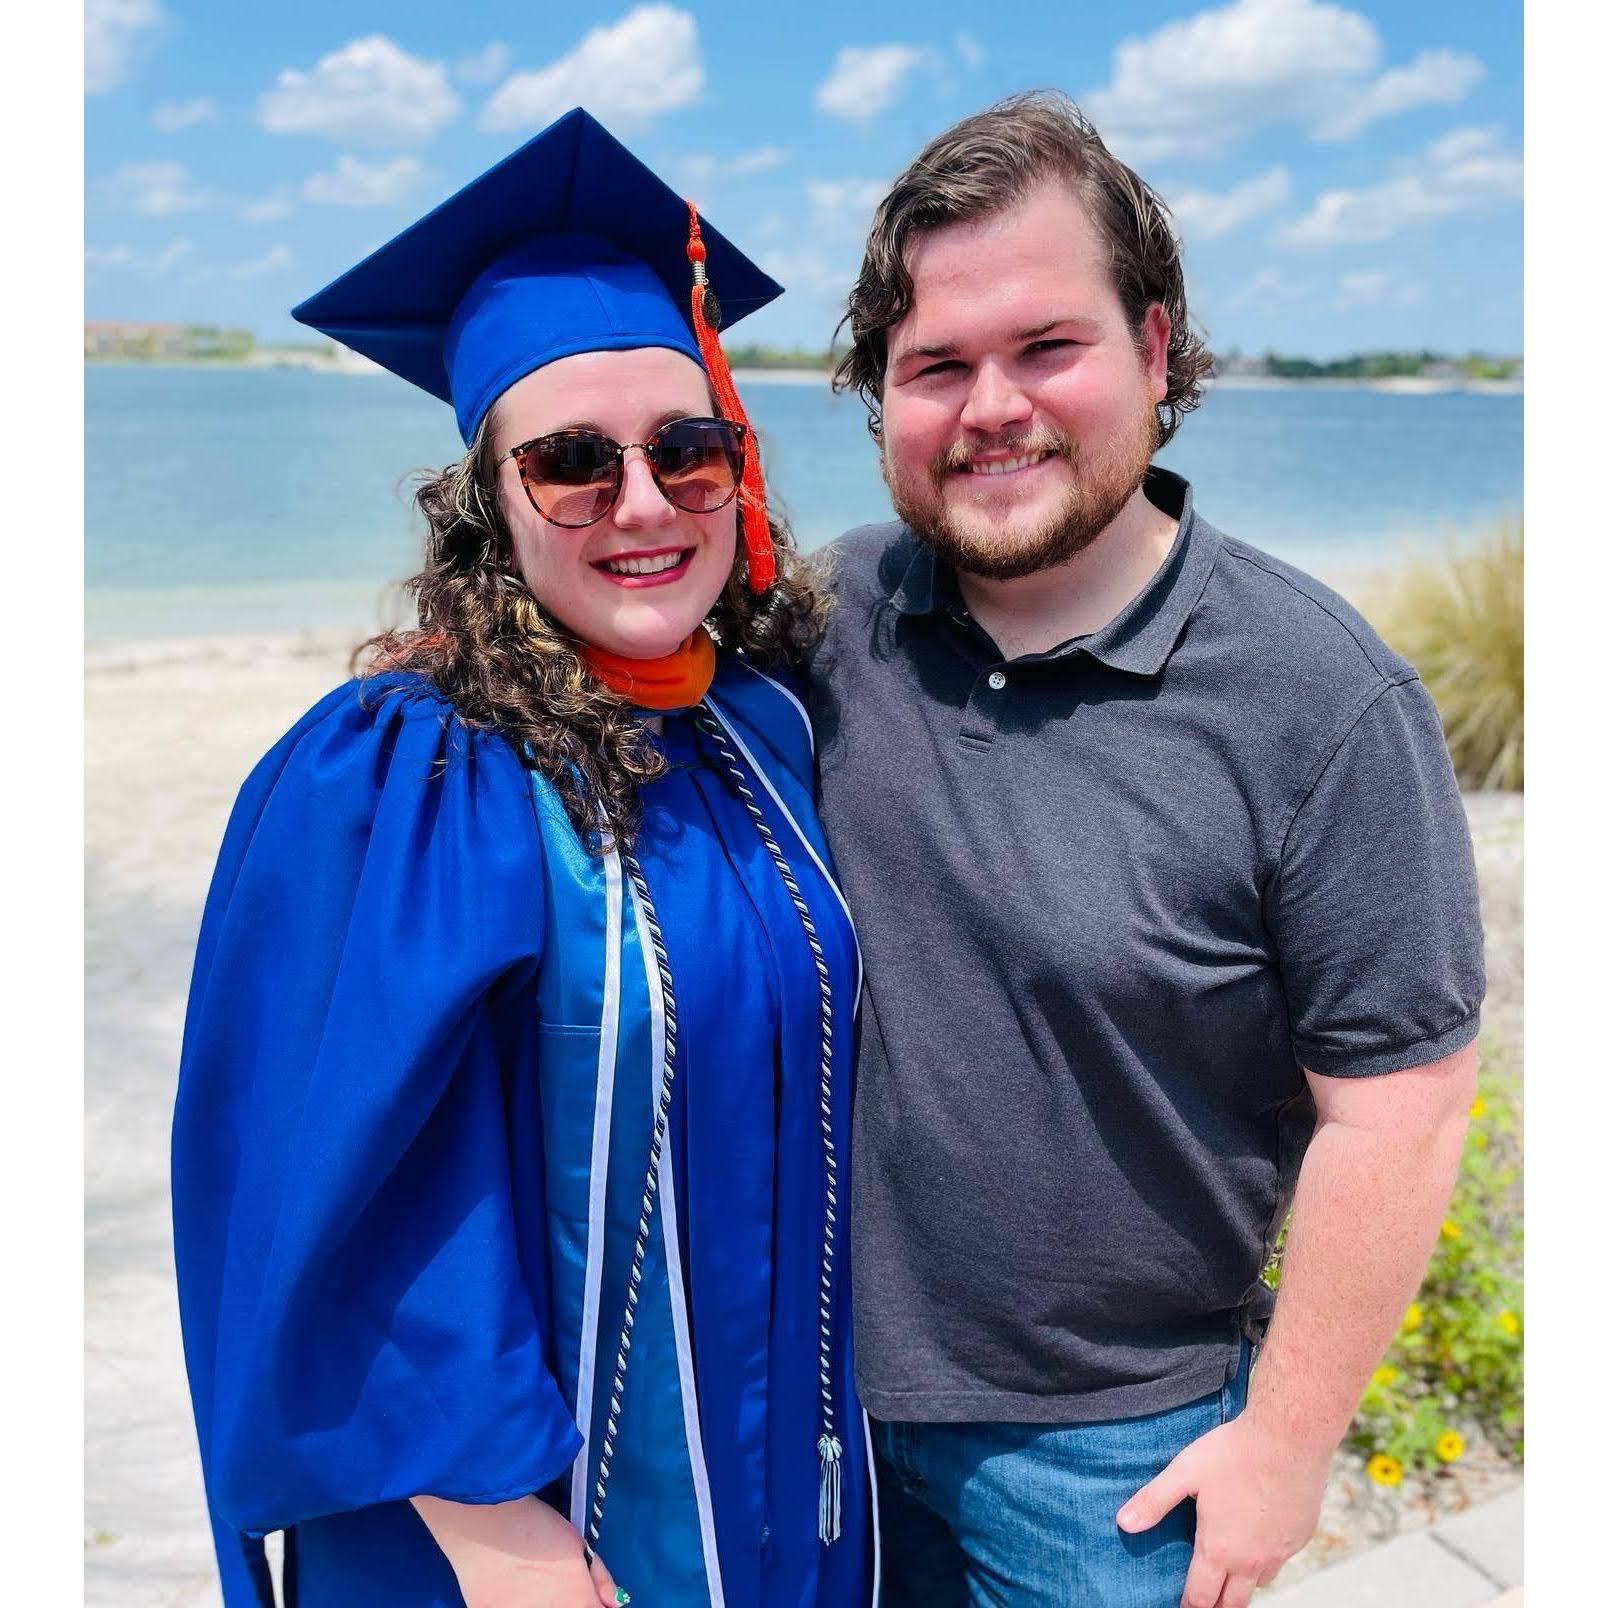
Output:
x=364 y=1305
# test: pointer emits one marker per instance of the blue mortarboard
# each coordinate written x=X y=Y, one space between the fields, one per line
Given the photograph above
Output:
x=569 y=245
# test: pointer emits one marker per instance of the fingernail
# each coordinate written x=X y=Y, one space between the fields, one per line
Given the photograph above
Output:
x=621 y=1596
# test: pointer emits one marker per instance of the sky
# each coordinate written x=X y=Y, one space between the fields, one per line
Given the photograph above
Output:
x=1345 y=177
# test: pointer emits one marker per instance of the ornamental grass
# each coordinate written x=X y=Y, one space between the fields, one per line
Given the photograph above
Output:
x=1458 y=618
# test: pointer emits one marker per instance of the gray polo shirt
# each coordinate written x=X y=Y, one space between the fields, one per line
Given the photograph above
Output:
x=1112 y=899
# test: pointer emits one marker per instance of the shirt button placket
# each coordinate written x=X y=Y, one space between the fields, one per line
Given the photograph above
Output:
x=981 y=718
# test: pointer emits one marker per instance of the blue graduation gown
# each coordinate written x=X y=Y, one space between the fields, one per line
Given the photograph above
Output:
x=425 y=1042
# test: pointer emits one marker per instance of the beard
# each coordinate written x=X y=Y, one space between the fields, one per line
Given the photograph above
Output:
x=989 y=545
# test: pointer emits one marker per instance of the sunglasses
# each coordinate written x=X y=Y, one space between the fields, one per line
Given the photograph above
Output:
x=573 y=477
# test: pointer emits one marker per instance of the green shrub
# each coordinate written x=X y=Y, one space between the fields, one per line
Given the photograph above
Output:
x=1459 y=618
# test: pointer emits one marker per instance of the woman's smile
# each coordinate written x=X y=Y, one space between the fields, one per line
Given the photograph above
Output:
x=639 y=567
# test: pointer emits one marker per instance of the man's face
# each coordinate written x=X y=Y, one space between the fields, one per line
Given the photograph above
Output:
x=1018 y=412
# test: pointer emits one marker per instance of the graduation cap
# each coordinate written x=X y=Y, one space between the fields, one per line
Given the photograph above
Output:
x=571 y=244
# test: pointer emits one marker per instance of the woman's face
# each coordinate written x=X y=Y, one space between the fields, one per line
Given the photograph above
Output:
x=576 y=575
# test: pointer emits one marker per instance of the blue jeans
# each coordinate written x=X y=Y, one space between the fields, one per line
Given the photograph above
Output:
x=1024 y=1515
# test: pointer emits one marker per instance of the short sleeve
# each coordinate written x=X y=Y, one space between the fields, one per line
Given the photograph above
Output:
x=364 y=1310
x=1375 y=905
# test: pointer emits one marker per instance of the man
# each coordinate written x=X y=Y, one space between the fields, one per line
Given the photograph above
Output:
x=1168 y=913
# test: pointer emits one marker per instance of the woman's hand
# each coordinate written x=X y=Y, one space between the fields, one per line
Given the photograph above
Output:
x=518 y=1554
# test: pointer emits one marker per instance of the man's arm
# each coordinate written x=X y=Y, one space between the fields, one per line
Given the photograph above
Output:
x=1368 y=1206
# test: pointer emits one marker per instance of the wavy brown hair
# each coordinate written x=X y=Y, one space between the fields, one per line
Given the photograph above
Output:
x=509 y=667
x=981 y=167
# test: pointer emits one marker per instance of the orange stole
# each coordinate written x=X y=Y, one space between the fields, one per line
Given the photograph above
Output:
x=677 y=681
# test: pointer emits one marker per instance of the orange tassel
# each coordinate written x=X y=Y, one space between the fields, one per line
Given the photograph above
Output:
x=755 y=521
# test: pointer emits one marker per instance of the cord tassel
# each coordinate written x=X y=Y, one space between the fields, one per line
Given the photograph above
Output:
x=831 y=1511
x=755 y=520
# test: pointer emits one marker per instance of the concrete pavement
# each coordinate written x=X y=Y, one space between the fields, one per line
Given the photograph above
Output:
x=1472 y=1560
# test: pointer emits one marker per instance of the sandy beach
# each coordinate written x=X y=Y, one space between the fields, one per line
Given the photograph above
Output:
x=172 y=730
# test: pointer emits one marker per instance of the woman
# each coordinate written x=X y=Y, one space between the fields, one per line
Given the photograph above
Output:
x=511 y=1125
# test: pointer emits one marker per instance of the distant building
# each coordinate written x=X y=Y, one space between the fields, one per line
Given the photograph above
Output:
x=207 y=340
x=119 y=339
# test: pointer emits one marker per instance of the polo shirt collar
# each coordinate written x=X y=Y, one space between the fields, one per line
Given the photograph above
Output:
x=1141 y=638
x=917 y=593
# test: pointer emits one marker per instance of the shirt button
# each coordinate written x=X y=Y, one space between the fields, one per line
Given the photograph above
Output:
x=997 y=681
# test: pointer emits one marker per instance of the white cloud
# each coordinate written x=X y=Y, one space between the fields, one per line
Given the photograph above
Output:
x=1377 y=287
x=370 y=92
x=817 y=256
x=171 y=254
x=1196 y=86
x=969 y=51
x=866 y=79
x=486 y=66
x=271 y=262
x=111 y=32
x=703 y=170
x=1435 y=78
x=843 y=205
x=126 y=257
x=1473 y=158
x=822 y=276
x=1203 y=215
x=110 y=257
x=172 y=116
x=1268 y=285
x=354 y=183
x=153 y=189
x=269 y=209
x=761 y=160
x=644 y=65
x=1468 y=170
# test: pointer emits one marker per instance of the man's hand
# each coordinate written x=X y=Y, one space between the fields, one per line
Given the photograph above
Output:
x=1256 y=1506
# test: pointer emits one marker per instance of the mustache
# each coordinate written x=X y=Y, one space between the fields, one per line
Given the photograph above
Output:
x=961 y=456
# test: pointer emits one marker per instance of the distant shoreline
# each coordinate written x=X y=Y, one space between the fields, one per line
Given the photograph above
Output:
x=317 y=363
x=115 y=646
x=1401 y=384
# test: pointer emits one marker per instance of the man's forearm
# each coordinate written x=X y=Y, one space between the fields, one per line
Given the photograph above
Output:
x=1368 y=1207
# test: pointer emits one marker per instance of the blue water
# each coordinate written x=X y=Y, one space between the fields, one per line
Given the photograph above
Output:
x=231 y=499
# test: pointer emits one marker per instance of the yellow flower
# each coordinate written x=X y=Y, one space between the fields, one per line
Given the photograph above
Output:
x=1449 y=1446
x=1481 y=1140
x=1478 y=1108
x=1450 y=1230
x=1415 y=1316
x=1385 y=1376
x=1507 y=1323
x=1383 y=1469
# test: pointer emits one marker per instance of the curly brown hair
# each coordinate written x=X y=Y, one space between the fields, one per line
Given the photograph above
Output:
x=982 y=166
x=509 y=667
